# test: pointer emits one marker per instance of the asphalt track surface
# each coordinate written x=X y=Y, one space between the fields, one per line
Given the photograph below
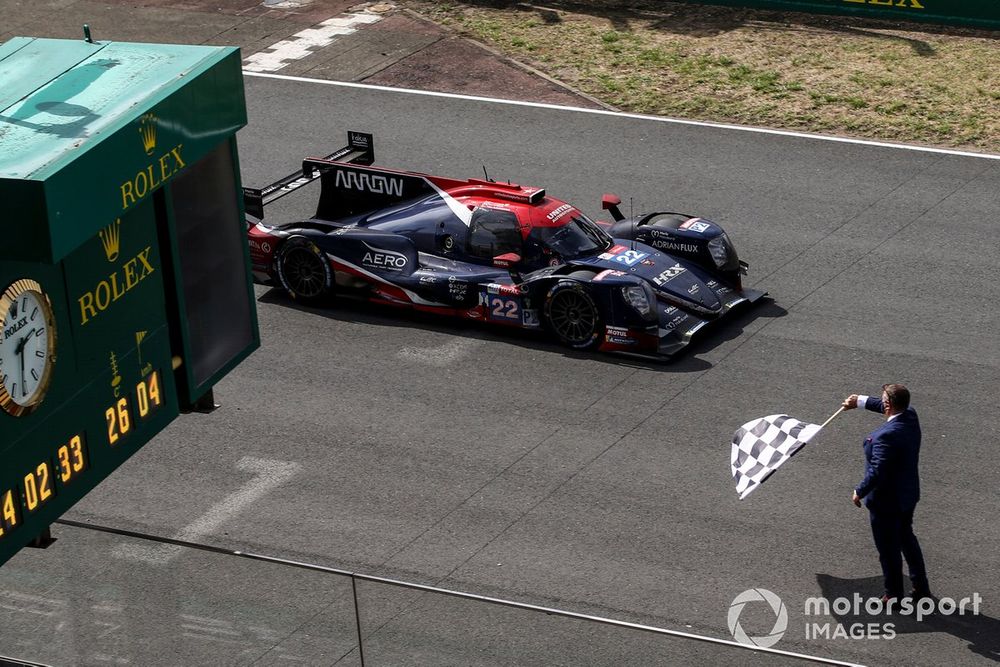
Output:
x=500 y=464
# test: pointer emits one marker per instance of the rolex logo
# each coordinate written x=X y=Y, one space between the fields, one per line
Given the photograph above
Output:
x=147 y=130
x=111 y=239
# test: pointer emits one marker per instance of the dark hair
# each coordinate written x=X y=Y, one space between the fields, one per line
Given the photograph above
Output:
x=899 y=395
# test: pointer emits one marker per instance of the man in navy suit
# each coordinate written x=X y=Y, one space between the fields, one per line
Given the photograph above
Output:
x=891 y=487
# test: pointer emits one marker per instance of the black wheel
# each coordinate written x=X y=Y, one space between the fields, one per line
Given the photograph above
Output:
x=304 y=271
x=572 y=316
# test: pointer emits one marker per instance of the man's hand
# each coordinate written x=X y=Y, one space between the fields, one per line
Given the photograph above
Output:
x=850 y=402
x=856 y=499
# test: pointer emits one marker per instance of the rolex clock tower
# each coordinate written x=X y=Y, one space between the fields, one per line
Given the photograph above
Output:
x=124 y=283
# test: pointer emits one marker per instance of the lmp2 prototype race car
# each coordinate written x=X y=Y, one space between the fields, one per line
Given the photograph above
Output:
x=497 y=252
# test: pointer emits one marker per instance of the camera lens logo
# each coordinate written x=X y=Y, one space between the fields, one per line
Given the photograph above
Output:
x=758 y=595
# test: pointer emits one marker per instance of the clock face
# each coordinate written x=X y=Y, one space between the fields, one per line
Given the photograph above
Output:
x=27 y=346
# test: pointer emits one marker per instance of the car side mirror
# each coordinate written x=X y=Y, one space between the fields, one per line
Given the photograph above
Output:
x=506 y=260
x=610 y=202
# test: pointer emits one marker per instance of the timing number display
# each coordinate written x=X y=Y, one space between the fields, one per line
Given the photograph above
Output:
x=38 y=485
x=146 y=398
x=11 y=515
x=71 y=459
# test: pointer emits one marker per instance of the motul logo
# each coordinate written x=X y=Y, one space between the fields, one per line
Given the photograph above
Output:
x=374 y=183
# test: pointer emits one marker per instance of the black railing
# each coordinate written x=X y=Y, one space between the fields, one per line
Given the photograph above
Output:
x=357 y=576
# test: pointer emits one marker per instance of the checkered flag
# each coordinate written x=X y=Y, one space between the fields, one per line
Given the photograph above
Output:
x=760 y=447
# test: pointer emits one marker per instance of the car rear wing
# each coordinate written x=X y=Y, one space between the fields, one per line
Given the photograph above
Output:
x=360 y=149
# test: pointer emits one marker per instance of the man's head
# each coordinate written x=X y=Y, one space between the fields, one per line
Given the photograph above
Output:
x=895 y=398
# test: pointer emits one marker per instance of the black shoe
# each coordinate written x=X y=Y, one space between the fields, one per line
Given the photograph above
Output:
x=888 y=598
x=921 y=594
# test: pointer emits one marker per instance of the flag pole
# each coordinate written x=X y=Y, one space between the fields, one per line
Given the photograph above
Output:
x=832 y=417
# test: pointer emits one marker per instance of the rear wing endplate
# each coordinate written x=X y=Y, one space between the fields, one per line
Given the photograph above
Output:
x=360 y=149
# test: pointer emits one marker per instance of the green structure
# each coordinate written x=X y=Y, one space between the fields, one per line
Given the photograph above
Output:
x=124 y=276
x=974 y=13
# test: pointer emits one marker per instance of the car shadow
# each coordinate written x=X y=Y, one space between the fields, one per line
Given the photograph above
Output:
x=361 y=312
x=980 y=631
x=734 y=325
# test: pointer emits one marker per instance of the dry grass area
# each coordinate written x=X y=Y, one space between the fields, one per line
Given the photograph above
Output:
x=914 y=83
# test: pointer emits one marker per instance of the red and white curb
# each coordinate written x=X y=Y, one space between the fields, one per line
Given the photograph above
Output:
x=310 y=40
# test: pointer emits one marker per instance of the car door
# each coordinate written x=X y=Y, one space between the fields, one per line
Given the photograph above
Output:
x=493 y=232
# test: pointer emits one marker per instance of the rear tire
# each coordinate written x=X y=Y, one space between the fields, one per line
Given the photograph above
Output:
x=572 y=316
x=304 y=271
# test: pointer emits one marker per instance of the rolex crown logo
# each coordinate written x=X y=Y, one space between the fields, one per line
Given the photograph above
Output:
x=147 y=130
x=111 y=238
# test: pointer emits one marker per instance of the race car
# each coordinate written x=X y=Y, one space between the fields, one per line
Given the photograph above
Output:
x=496 y=252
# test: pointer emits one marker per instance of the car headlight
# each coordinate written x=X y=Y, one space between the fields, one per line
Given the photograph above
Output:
x=635 y=296
x=722 y=251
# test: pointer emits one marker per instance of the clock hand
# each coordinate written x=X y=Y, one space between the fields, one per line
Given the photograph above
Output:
x=20 y=353
x=21 y=344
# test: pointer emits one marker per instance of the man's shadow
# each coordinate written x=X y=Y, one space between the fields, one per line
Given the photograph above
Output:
x=51 y=100
x=980 y=631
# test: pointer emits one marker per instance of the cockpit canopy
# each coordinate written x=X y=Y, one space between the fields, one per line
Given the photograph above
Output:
x=542 y=233
x=498 y=230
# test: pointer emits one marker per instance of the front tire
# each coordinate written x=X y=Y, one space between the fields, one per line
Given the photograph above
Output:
x=572 y=315
x=304 y=271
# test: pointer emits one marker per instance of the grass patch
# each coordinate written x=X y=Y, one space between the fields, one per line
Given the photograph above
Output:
x=679 y=60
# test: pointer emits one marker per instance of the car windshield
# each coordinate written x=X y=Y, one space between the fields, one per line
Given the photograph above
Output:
x=577 y=238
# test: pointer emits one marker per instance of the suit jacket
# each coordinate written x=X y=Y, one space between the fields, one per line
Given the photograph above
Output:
x=892 y=452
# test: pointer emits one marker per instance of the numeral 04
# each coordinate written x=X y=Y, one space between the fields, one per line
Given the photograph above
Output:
x=147 y=394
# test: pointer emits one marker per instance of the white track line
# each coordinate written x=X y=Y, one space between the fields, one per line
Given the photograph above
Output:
x=308 y=41
x=440 y=356
x=621 y=114
x=267 y=476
